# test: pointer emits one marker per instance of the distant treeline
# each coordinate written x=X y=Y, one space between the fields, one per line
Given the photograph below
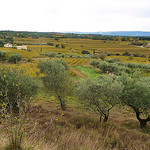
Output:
x=25 y=34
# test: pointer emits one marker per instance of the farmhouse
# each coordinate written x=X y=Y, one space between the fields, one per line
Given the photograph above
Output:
x=24 y=47
x=148 y=45
x=8 y=45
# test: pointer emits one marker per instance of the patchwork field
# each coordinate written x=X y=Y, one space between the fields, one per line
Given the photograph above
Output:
x=77 y=128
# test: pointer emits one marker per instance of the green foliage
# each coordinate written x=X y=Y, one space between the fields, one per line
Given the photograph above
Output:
x=113 y=60
x=56 y=79
x=2 y=55
x=50 y=43
x=94 y=63
x=136 y=94
x=85 y=52
x=62 y=46
x=1 y=43
x=100 y=94
x=102 y=56
x=16 y=90
x=106 y=67
x=57 y=45
x=126 y=54
x=14 y=58
x=51 y=54
x=15 y=86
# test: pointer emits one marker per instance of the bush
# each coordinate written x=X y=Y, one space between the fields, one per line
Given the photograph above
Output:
x=57 y=45
x=14 y=58
x=94 y=63
x=103 y=55
x=2 y=55
x=95 y=56
x=62 y=46
x=113 y=68
x=16 y=91
x=51 y=54
x=126 y=54
x=113 y=60
x=15 y=83
x=50 y=43
x=85 y=52
x=136 y=55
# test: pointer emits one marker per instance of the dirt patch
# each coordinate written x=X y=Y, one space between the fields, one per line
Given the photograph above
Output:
x=87 y=63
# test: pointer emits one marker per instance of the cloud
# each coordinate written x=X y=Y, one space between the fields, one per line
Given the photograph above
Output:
x=75 y=15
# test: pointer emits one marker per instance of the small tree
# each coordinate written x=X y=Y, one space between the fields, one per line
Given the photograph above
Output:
x=14 y=58
x=136 y=94
x=56 y=79
x=102 y=56
x=62 y=46
x=2 y=55
x=94 y=63
x=50 y=43
x=16 y=89
x=100 y=95
x=85 y=52
x=126 y=54
x=57 y=45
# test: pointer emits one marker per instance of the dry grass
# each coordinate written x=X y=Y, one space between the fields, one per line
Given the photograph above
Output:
x=76 y=129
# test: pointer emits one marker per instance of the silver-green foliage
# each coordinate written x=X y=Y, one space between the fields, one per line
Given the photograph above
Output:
x=56 y=79
x=136 y=94
x=16 y=90
x=100 y=94
x=16 y=86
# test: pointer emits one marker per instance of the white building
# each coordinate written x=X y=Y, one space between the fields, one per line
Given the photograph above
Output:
x=148 y=45
x=24 y=47
x=8 y=45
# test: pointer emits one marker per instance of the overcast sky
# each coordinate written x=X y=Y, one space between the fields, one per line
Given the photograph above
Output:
x=75 y=15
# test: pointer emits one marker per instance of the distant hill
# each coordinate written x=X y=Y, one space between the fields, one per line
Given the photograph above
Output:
x=127 y=33
x=118 y=33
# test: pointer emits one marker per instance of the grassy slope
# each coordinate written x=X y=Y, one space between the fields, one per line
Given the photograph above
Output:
x=88 y=71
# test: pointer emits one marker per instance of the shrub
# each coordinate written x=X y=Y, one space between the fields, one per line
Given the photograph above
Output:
x=113 y=60
x=51 y=54
x=95 y=56
x=2 y=55
x=14 y=82
x=94 y=63
x=50 y=43
x=14 y=58
x=62 y=46
x=16 y=91
x=126 y=54
x=106 y=67
x=57 y=45
x=85 y=52
x=136 y=55
x=102 y=55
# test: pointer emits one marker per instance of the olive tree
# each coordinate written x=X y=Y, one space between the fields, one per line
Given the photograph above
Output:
x=100 y=94
x=56 y=79
x=16 y=90
x=16 y=87
x=136 y=94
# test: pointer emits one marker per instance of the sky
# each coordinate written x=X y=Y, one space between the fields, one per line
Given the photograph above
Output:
x=75 y=15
